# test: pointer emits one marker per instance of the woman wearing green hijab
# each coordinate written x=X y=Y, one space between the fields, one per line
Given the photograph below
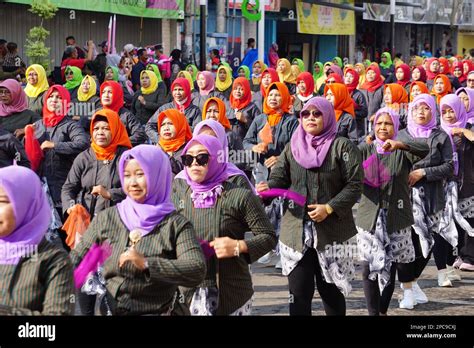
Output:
x=387 y=69
x=193 y=70
x=338 y=62
x=111 y=73
x=317 y=73
x=244 y=71
x=73 y=81
x=300 y=64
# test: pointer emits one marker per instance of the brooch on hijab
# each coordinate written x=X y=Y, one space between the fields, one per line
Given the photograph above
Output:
x=134 y=236
x=106 y=162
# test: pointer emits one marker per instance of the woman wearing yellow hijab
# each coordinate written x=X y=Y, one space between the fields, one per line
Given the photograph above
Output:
x=224 y=80
x=256 y=76
x=287 y=75
x=87 y=103
x=149 y=98
x=360 y=68
x=36 y=87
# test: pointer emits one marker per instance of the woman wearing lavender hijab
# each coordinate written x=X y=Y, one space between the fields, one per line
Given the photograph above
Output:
x=326 y=170
x=154 y=248
x=459 y=210
x=385 y=216
x=221 y=212
x=37 y=274
x=426 y=179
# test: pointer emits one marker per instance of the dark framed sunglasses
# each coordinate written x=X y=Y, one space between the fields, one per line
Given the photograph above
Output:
x=307 y=113
x=470 y=80
x=202 y=159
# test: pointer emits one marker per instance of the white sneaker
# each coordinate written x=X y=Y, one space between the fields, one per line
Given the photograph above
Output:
x=408 y=300
x=420 y=296
x=452 y=274
x=266 y=259
x=443 y=279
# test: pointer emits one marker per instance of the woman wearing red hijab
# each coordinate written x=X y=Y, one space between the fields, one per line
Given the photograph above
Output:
x=182 y=101
x=111 y=97
x=338 y=95
x=269 y=76
x=432 y=67
x=351 y=80
x=458 y=72
x=402 y=74
x=373 y=89
x=304 y=92
x=61 y=139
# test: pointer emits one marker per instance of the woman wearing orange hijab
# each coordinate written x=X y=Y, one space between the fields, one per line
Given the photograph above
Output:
x=271 y=131
x=338 y=95
x=174 y=132
x=441 y=87
x=243 y=109
x=395 y=97
x=417 y=88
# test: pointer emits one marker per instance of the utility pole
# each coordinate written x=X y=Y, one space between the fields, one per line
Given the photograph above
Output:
x=203 y=55
x=392 y=27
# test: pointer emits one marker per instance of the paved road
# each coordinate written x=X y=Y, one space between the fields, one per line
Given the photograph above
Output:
x=271 y=295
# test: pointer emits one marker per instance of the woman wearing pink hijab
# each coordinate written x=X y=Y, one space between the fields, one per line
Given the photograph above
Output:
x=326 y=170
x=206 y=89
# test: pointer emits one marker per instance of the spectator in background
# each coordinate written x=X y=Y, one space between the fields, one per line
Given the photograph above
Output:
x=273 y=55
x=176 y=64
x=100 y=62
x=72 y=57
x=250 y=45
x=71 y=41
x=139 y=67
x=215 y=60
x=163 y=63
x=426 y=52
x=6 y=75
x=12 y=61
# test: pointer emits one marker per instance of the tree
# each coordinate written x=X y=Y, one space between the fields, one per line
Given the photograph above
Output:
x=36 y=49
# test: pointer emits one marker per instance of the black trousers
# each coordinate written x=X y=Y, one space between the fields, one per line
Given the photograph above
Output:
x=443 y=252
x=377 y=304
x=466 y=244
x=86 y=303
x=301 y=286
x=408 y=272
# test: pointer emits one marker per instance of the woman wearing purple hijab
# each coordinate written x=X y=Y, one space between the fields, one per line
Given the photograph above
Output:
x=385 y=216
x=25 y=253
x=459 y=210
x=467 y=97
x=426 y=181
x=326 y=170
x=154 y=248
x=221 y=212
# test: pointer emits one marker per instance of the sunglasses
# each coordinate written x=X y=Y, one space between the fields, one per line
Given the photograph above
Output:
x=307 y=113
x=202 y=159
x=471 y=81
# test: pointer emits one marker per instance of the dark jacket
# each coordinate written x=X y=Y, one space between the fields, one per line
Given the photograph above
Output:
x=174 y=259
x=193 y=115
x=69 y=140
x=298 y=105
x=361 y=111
x=438 y=165
x=135 y=130
x=12 y=150
x=236 y=212
x=18 y=120
x=465 y=177
x=85 y=110
x=393 y=195
x=338 y=182
x=35 y=104
x=347 y=128
x=153 y=102
x=282 y=133
x=226 y=93
x=240 y=129
x=199 y=100
x=374 y=100
x=86 y=172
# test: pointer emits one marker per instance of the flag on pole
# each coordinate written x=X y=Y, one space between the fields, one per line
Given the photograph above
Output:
x=109 y=35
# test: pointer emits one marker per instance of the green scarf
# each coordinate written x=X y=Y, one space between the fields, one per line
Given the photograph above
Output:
x=155 y=69
x=321 y=72
x=300 y=64
x=338 y=61
x=195 y=71
x=76 y=77
x=247 y=71
x=389 y=61
x=115 y=70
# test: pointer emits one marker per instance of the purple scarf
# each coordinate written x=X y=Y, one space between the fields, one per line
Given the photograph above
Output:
x=457 y=105
x=205 y=193
x=396 y=124
x=221 y=135
x=308 y=150
x=156 y=166
x=417 y=130
x=470 y=95
x=336 y=70
x=19 y=99
x=32 y=213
